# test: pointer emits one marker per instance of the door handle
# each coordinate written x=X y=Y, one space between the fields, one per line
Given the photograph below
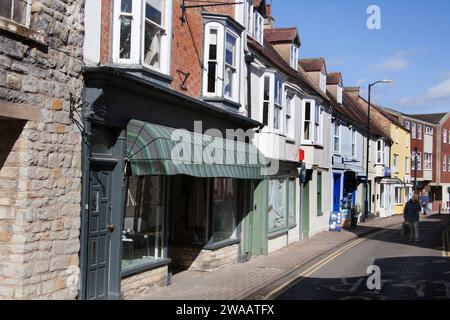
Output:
x=110 y=228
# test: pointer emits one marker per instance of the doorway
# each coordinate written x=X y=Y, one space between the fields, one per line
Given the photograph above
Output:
x=337 y=192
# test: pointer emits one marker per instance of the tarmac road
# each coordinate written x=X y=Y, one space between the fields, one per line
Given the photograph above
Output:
x=408 y=271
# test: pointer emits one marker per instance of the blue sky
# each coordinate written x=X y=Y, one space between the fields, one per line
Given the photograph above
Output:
x=412 y=47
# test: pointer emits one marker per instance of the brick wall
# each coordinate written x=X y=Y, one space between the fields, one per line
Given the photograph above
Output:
x=106 y=31
x=187 y=47
x=445 y=150
x=40 y=161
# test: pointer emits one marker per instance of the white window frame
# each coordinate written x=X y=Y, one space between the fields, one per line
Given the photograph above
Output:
x=27 y=14
x=417 y=157
x=444 y=164
x=258 y=28
x=318 y=124
x=234 y=68
x=445 y=135
x=278 y=106
x=428 y=161
x=429 y=130
x=274 y=78
x=398 y=198
x=354 y=144
x=339 y=94
x=413 y=130
x=323 y=81
x=395 y=163
x=419 y=131
x=380 y=152
x=222 y=31
x=289 y=114
x=250 y=17
x=137 y=38
x=407 y=124
x=310 y=121
x=294 y=56
x=337 y=137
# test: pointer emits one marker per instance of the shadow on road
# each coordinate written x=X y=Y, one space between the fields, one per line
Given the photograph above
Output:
x=403 y=278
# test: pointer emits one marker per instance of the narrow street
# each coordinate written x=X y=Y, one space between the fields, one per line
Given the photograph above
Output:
x=409 y=271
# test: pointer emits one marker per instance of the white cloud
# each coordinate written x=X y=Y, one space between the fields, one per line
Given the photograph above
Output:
x=395 y=63
x=437 y=93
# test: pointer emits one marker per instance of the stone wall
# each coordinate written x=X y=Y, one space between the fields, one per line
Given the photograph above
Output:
x=40 y=165
x=143 y=283
x=203 y=260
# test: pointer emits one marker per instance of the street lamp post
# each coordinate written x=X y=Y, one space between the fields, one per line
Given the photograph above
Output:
x=366 y=201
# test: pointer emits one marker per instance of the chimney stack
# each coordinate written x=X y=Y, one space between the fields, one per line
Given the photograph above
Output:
x=353 y=91
x=269 y=21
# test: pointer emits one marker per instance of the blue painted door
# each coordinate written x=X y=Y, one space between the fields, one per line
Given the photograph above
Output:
x=337 y=192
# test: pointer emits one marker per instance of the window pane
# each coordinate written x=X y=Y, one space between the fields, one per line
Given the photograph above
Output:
x=213 y=45
x=225 y=206
x=126 y=6
x=266 y=88
x=125 y=37
x=276 y=118
x=230 y=50
x=212 y=77
x=291 y=204
x=153 y=11
x=228 y=82
x=5 y=8
x=266 y=113
x=277 y=205
x=308 y=111
x=20 y=12
x=152 y=45
x=143 y=224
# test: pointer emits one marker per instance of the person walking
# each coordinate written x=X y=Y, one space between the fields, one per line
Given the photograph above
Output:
x=425 y=202
x=411 y=215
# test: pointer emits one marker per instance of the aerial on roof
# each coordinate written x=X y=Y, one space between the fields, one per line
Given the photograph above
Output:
x=282 y=35
x=434 y=118
x=312 y=64
x=334 y=78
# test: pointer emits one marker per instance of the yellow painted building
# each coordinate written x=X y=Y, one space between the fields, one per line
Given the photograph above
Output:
x=401 y=165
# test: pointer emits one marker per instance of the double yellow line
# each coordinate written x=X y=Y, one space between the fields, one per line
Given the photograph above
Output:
x=446 y=242
x=306 y=273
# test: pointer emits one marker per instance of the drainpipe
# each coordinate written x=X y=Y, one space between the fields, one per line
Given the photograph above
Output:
x=249 y=58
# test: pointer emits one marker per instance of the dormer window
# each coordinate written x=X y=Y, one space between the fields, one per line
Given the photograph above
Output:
x=141 y=32
x=339 y=94
x=294 y=56
x=323 y=82
x=222 y=54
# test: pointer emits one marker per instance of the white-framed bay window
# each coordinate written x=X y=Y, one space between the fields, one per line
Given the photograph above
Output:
x=290 y=114
x=18 y=11
x=273 y=101
x=141 y=33
x=380 y=151
x=222 y=53
x=258 y=29
x=312 y=124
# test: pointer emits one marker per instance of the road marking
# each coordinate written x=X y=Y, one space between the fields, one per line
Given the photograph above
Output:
x=446 y=242
x=318 y=266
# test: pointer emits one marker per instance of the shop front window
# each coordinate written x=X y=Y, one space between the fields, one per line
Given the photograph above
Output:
x=143 y=224
x=224 y=209
x=281 y=209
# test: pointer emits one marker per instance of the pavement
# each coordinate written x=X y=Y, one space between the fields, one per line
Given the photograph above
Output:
x=407 y=271
x=255 y=279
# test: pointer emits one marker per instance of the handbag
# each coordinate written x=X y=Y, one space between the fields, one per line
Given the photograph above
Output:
x=404 y=230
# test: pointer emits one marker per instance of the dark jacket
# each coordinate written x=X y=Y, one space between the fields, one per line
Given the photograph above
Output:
x=411 y=212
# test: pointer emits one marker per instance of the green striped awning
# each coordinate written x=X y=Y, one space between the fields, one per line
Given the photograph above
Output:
x=158 y=150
